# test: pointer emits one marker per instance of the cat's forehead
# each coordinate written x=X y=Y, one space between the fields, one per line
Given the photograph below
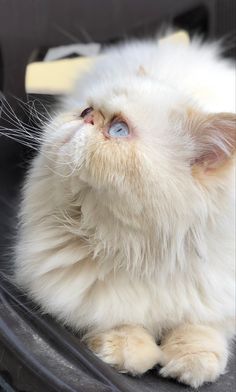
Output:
x=124 y=82
x=133 y=96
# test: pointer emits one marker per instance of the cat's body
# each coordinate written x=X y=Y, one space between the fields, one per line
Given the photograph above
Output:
x=131 y=238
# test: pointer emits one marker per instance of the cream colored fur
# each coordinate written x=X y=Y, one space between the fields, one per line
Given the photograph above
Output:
x=133 y=240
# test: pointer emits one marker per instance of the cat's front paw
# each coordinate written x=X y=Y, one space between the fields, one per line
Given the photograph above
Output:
x=194 y=355
x=129 y=349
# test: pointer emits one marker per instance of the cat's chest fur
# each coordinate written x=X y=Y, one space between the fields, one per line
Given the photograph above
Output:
x=101 y=290
x=79 y=296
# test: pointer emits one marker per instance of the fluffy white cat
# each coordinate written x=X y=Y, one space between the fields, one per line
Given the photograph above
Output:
x=127 y=216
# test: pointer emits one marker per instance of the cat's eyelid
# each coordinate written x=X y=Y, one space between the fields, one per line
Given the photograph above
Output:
x=116 y=117
x=119 y=118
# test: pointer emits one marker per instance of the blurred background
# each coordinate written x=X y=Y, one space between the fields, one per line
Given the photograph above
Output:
x=29 y=28
x=43 y=44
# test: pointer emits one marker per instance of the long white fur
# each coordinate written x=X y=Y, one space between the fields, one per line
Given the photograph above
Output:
x=99 y=248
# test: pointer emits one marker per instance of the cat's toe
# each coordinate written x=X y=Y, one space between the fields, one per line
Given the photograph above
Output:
x=194 y=354
x=193 y=369
x=129 y=349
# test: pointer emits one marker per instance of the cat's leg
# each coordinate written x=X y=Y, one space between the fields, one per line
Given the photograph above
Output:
x=194 y=354
x=128 y=348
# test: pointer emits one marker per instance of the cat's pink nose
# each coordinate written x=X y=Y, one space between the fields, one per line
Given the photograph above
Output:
x=93 y=117
x=89 y=119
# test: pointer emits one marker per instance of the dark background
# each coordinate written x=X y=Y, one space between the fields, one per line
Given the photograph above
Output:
x=37 y=355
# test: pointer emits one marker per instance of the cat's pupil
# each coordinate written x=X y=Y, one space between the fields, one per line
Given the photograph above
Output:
x=86 y=111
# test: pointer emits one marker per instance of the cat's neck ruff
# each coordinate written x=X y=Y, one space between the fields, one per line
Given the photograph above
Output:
x=142 y=247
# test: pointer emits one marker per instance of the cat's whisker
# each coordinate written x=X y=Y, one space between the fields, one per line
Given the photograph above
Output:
x=30 y=106
x=42 y=118
x=19 y=136
x=88 y=38
x=34 y=144
x=11 y=132
x=12 y=119
x=66 y=33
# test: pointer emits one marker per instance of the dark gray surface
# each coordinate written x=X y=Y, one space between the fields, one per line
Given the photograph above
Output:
x=28 y=341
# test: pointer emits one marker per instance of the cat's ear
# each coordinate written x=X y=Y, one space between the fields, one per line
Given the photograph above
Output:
x=214 y=139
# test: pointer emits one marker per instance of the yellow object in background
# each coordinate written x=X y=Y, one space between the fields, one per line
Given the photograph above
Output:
x=55 y=77
x=181 y=37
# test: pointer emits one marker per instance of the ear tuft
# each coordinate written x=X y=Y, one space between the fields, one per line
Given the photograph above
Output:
x=214 y=137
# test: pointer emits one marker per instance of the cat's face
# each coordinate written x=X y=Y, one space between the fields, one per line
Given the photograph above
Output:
x=134 y=142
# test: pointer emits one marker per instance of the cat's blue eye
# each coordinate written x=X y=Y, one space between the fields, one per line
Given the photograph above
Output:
x=118 y=129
